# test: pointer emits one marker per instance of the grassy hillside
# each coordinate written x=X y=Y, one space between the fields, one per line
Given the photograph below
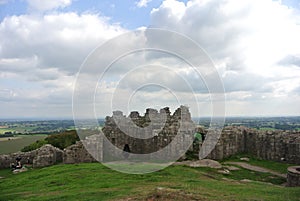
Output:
x=93 y=181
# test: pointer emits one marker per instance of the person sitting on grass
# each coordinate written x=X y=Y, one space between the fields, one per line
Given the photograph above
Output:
x=18 y=164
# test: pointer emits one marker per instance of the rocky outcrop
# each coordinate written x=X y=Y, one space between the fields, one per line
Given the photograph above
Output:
x=47 y=155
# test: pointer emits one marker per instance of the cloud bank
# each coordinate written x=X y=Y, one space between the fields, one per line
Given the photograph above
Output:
x=253 y=43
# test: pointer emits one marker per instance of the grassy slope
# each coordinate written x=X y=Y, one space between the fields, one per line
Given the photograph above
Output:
x=272 y=165
x=95 y=182
x=12 y=146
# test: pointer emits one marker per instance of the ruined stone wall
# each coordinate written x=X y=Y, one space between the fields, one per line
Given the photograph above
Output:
x=162 y=126
x=293 y=176
x=231 y=141
x=267 y=145
x=47 y=155
x=84 y=151
x=26 y=158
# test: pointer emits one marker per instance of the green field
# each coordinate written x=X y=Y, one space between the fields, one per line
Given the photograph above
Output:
x=3 y=130
x=93 y=181
x=18 y=129
x=11 y=146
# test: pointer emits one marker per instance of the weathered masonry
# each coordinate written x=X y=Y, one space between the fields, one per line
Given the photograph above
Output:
x=131 y=134
x=277 y=145
x=268 y=145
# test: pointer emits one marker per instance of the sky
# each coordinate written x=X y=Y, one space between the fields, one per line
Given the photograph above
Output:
x=253 y=44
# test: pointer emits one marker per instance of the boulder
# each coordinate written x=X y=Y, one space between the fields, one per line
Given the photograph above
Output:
x=206 y=163
x=231 y=168
x=245 y=159
x=224 y=171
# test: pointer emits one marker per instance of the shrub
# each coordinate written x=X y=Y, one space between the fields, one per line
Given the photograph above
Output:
x=63 y=140
x=59 y=140
x=35 y=145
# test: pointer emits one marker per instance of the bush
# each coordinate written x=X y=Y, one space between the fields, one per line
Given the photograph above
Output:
x=59 y=140
x=34 y=146
x=63 y=140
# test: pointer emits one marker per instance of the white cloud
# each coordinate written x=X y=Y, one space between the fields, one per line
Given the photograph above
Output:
x=54 y=40
x=6 y=94
x=44 y=5
x=247 y=34
x=40 y=56
x=174 y=9
x=142 y=3
x=254 y=44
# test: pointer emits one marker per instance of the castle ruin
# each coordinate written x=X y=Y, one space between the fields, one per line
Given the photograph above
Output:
x=157 y=129
x=147 y=134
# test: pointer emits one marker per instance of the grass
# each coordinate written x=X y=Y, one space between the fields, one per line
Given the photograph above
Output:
x=256 y=176
x=246 y=174
x=93 y=181
x=11 y=146
x=272 y=165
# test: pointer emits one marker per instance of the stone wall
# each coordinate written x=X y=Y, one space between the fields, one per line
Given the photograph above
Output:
x=47 y=155
x=26 y=158
x=267 y=145
x=293 y=176
x=77 y=153
x=162 y=126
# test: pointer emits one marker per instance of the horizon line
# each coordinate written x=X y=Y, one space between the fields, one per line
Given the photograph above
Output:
x=71 y=118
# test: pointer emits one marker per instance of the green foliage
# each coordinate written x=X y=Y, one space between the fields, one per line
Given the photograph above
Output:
x=198 y=137
x=63 y=140
x=34 y=145
x=59 y=140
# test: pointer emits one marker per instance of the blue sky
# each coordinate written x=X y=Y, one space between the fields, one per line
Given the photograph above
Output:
x=124 y=12
x=254 y=45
